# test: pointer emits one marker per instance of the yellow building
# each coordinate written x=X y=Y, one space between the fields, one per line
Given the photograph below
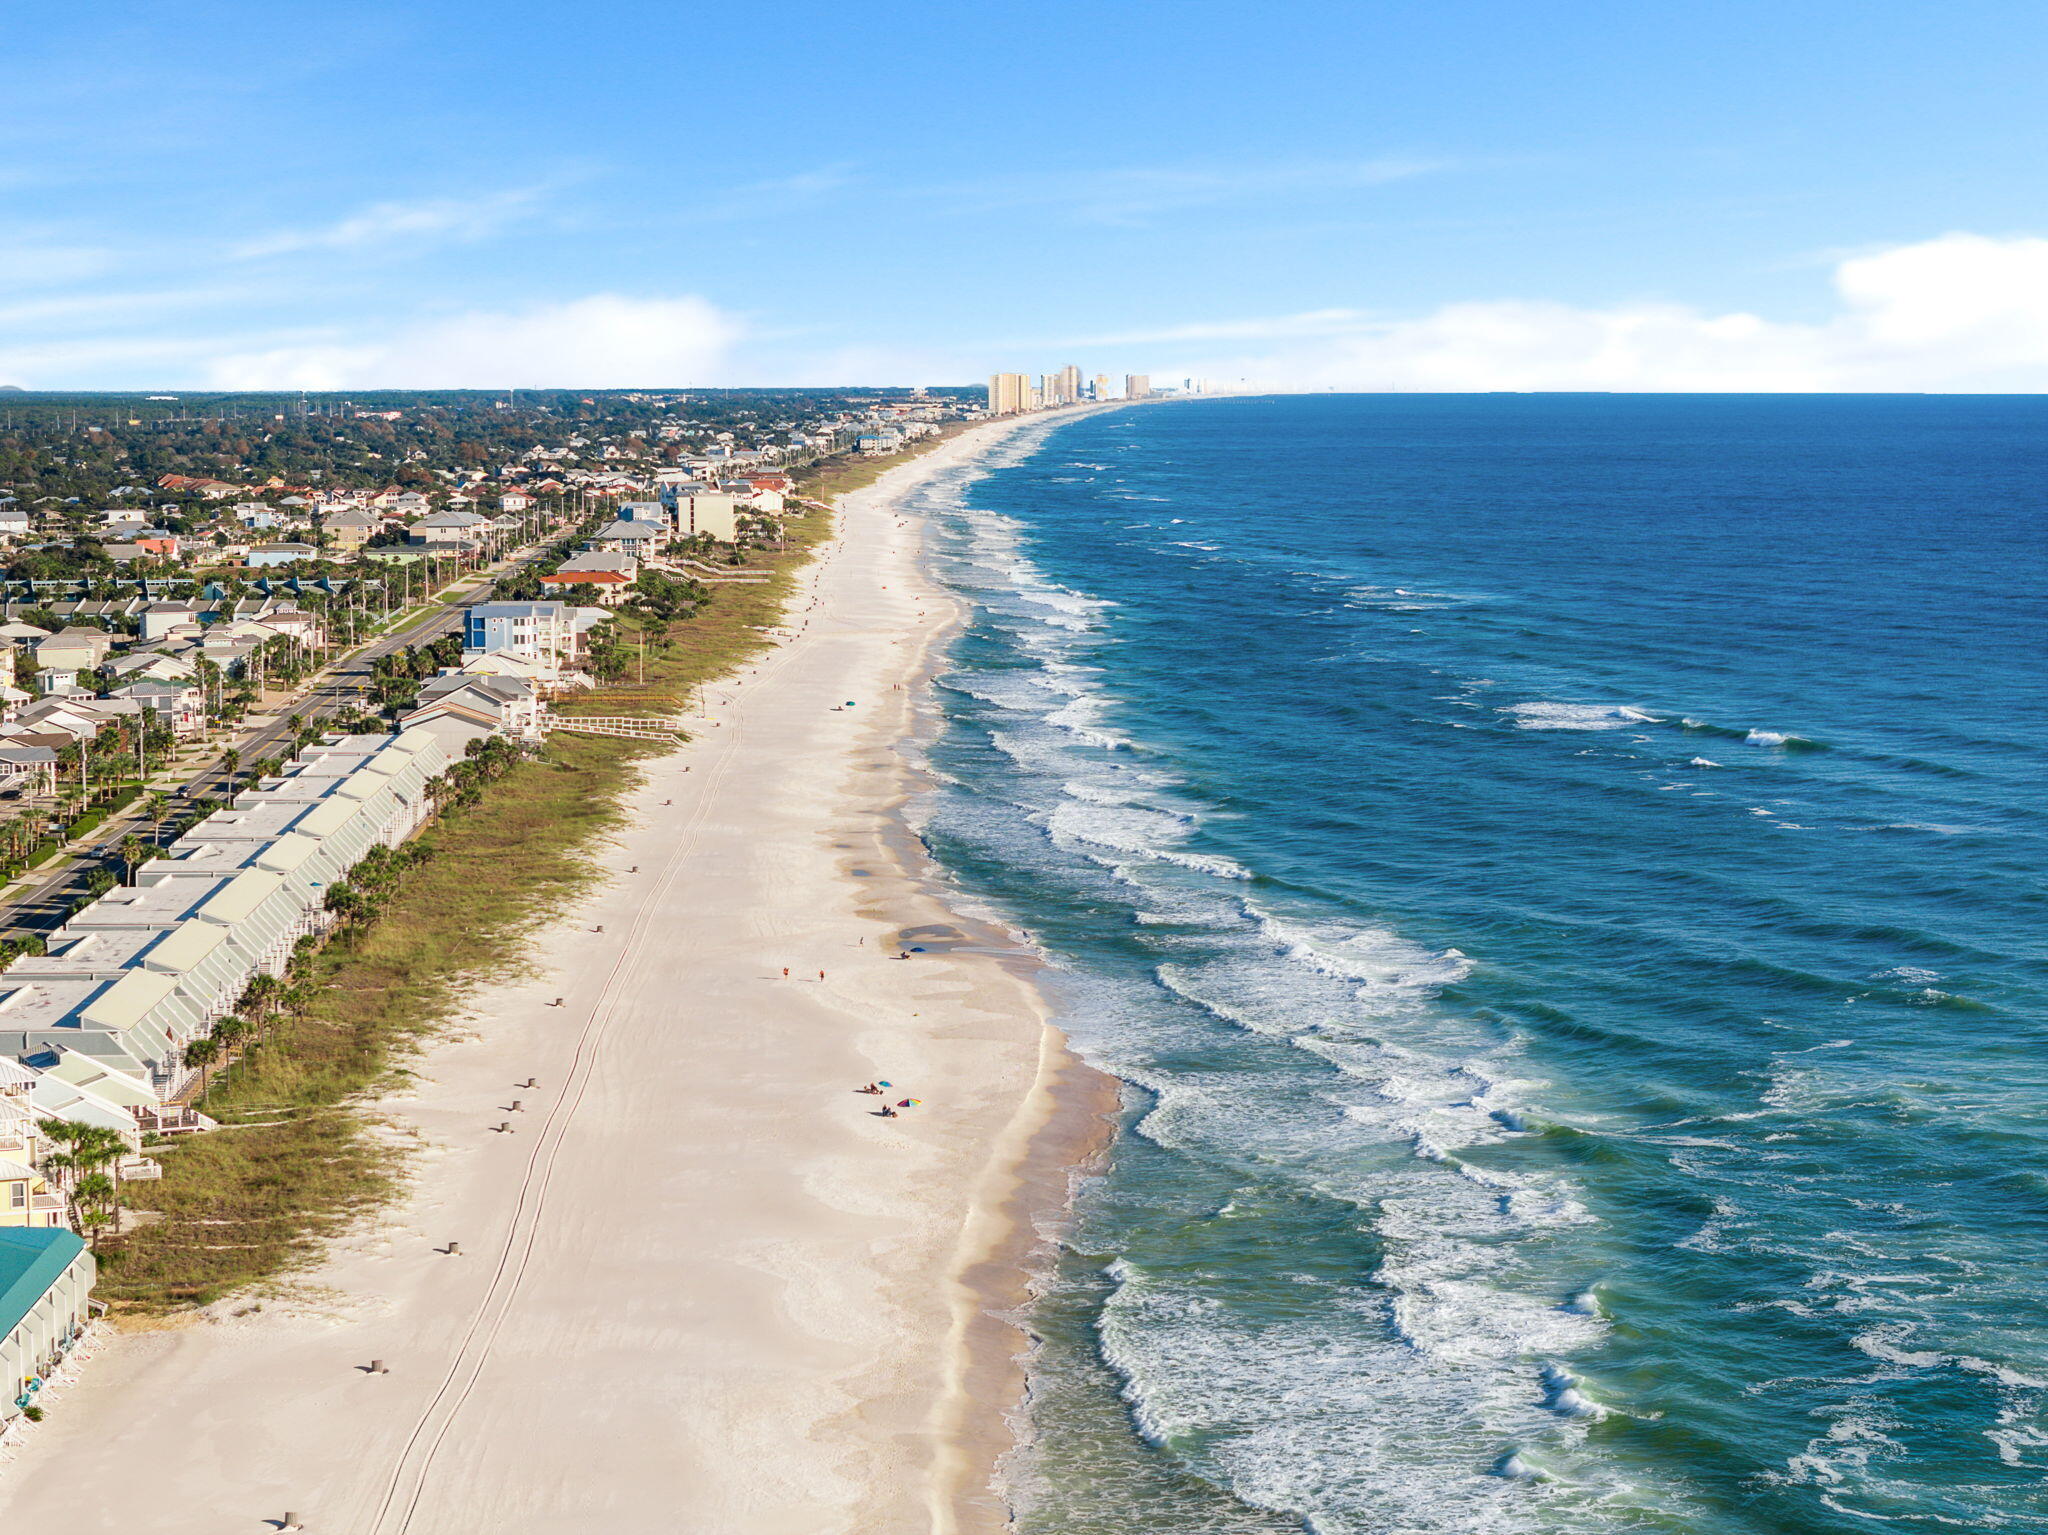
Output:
x=25 y=1197
x=1009 y=393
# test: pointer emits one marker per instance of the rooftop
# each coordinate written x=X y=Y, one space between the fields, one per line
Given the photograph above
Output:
x=162 y=904
x=31 y=1260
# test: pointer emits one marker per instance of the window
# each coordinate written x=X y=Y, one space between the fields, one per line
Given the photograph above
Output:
x=17 y=1196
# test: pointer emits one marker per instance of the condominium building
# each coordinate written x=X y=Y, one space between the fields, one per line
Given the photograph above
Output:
x=1008 y=393
x=1137 y=386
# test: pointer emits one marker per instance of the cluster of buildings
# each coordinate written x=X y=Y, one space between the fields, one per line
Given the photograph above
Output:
x=207 y=522
x=93 y=1030
x=295 y=525
x=89 y=673
x=1009 y=393
x=682 y=509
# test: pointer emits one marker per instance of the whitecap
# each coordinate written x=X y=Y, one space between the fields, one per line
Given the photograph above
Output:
x=1552 y=716
x=1885 y=1341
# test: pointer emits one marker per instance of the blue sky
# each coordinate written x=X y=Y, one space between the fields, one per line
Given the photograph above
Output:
x=1399 y=195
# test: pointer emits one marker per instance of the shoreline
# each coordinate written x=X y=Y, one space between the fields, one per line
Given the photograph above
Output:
x=791 y=1316
x=1063 y=1125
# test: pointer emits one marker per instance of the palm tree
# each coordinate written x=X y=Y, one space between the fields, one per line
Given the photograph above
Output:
x=133 y=852
x=231 y=1031
x=202 y=1053
x=298 y=1000
x=259 y=1000
x=229 y=761
x=154 y=805
x=93 y=1203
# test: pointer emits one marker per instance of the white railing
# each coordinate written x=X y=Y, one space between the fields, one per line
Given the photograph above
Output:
x=631 y=727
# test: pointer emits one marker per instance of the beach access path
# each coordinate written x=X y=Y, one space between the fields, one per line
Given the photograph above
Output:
x=701 y=1288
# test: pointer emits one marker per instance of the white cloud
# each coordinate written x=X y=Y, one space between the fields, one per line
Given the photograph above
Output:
x=1961 y=312
x=605 y=341
x=387 y=224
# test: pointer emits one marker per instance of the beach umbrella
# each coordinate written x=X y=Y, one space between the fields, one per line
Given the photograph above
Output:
x=885 y=1084
x=910 y=1103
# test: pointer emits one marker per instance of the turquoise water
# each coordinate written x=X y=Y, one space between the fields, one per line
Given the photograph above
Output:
x=1562 y=879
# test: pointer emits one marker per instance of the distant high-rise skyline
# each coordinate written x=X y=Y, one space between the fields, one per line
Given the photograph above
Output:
x=1009 y=393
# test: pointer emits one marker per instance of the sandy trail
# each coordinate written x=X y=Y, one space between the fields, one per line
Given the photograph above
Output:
x=701 y=1287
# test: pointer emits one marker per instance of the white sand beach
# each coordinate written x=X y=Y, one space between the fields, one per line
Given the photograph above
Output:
x=701 y=1288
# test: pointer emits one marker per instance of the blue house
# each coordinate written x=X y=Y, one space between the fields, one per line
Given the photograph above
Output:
x=46 y=1276
x=543 y=631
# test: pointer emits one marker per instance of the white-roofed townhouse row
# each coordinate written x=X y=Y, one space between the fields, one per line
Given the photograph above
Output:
x=136 y=975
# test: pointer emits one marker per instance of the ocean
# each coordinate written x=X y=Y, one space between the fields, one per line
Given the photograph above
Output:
x=1561 y=878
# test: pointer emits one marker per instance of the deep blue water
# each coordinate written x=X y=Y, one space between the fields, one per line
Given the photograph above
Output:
x=1563 y=880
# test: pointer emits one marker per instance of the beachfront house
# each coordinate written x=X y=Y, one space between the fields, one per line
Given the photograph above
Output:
x=46 y=1277
x=458 y=707
x=628 y=536
x=610 y=576
x=543 y=630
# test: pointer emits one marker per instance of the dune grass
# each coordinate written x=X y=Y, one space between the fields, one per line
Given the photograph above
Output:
x=300 y=1155
x=297 y=1157
x=848 y=471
